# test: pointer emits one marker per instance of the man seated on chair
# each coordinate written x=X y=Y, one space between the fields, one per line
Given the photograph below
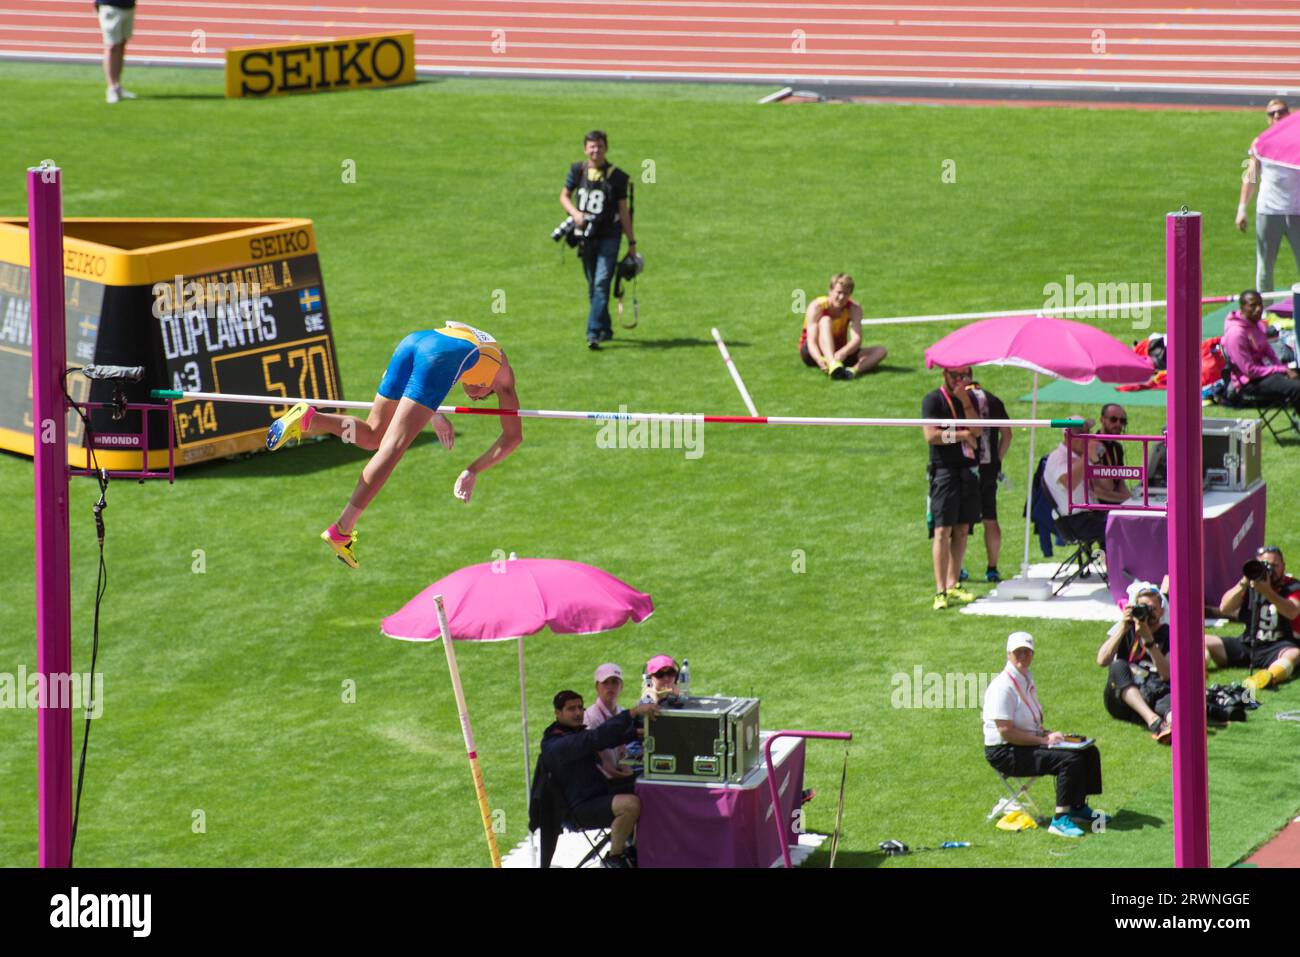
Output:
x=1257 y=372
x=1109 y=491
x=572 y=755
x=1017 y=745
x=609 y=685
x=1136 y=653
x=1269 y=605
x=1067 y=467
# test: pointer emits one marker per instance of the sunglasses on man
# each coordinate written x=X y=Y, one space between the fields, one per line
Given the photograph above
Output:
x=1278 y=114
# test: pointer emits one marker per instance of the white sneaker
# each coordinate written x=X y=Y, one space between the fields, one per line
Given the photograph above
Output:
x=113 y=95
x=125 y=94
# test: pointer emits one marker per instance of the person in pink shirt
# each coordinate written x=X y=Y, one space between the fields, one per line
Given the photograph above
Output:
x=1257 y=372
x=609 y=685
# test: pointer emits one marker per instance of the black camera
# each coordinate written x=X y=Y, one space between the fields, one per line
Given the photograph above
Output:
x=1254 y=570
x=568 y=231
x=1142 y=612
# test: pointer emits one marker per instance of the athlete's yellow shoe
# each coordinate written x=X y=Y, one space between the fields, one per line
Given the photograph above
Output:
x=940 y=601
x=287 y=426
x=957 y=593
x=343 y=548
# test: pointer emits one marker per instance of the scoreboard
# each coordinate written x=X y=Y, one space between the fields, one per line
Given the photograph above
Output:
x=232 y=306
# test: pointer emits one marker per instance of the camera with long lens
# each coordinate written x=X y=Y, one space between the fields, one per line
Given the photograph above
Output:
x=1254 y=570
x=569 y=232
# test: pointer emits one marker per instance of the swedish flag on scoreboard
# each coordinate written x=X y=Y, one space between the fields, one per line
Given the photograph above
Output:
x=309 y=299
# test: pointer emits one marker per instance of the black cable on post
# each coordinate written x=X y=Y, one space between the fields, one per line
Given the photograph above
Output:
x=101 y=586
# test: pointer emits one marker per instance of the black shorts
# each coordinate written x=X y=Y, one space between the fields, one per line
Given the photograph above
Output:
x=592 y=813
x=954 y=497
x=850 y=360
x=989 y=491
x=1254 y=654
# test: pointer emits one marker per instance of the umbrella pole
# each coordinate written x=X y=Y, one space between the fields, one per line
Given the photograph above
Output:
x=1029 y=480
x=528 y=771
x=467 y=731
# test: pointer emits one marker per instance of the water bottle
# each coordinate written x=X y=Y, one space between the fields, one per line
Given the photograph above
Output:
x=947 y=844
x=684 y=679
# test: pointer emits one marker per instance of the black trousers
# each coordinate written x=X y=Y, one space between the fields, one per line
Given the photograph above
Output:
x=1155 y=692
x=1077 y=773
x=1275 y=387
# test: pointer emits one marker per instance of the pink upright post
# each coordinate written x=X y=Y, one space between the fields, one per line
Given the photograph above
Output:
x=53 y=579
x=1186 y=571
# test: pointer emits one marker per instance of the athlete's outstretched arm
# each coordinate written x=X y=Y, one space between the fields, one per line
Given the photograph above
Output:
x=512 y=434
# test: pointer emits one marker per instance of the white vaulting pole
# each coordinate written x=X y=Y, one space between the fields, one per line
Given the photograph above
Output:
x=467 y=731
x=735 y=373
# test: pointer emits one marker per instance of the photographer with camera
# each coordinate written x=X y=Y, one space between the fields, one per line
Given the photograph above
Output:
x=597 y=222
x=1267 y=600
x=1136 y=652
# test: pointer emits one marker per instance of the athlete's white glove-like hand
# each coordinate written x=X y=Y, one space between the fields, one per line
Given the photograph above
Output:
x=465 y=485
x=446 y=433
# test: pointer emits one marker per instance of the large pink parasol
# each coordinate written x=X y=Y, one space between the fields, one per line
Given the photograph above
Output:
x=509 y=599
x=1280 y=143
x=1057 y=347
x=497 y=601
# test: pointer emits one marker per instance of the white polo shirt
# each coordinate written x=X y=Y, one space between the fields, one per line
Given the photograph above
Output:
x=1054 y=468
x=1279 y=190
x=1012 y=697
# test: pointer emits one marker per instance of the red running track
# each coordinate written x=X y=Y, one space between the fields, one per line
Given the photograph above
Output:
x=1233 y=46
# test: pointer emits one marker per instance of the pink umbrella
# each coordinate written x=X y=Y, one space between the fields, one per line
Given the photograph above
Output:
x=1057 y=347
x=498 y=601
x=1280 y=143
x=503 y=600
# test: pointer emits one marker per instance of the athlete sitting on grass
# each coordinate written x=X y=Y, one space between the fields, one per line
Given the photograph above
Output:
x=423 y=370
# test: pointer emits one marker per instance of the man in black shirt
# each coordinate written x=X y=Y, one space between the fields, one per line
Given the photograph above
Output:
x=1269 y=606
x=954 y=481
x=992 y=450
x=1114 y=420
x=601 y=191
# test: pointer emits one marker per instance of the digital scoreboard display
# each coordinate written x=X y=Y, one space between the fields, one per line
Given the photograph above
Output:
x=234 y=306
x=261 y=329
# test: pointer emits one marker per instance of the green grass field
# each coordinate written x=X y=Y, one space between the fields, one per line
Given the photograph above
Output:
x=224 y=690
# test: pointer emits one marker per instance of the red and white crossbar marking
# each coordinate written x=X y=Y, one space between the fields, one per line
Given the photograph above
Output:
x=627 y=416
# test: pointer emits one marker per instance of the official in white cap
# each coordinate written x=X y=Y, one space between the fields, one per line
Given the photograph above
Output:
x=1017 y=743
x=609 y=685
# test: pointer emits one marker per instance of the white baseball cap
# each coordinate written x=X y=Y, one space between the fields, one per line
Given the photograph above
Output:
x=607 y=671
x=1019 y=639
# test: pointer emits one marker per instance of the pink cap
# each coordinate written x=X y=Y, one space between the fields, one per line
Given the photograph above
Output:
x=607 y=671
x=658 y=663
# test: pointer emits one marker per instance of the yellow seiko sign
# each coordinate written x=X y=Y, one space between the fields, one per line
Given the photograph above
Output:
x=384 y=59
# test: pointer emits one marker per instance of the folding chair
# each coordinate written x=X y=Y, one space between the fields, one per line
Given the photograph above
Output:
x=547 y=809
x=1086 y=553
x=1268 y=409
x=1018 y=798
